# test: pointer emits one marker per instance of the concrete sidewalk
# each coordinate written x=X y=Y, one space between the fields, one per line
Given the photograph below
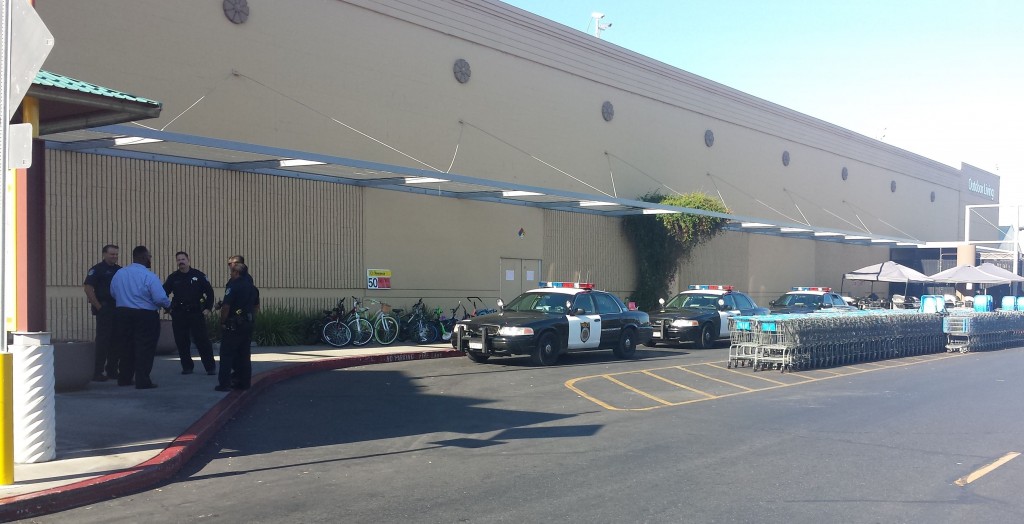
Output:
x=114 y=440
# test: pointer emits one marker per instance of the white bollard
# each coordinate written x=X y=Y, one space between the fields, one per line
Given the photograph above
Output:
x=35 y=420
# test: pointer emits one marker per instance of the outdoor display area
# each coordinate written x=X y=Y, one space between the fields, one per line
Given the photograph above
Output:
x=826 y=339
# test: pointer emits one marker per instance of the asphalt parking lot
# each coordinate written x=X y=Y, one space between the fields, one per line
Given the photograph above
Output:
x=908 y=440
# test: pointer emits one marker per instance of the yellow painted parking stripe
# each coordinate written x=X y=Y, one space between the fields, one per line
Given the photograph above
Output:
x=713 y=378
x=633 y=389
x=873 y=364
x=753 y=375
x=963 y=481
x=836 y=373
x=683 y=386
x=571 y=384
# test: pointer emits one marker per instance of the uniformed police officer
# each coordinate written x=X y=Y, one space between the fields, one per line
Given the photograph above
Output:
x=237 y=315
x=192 y=296
x=97 y=290
x=239 y=259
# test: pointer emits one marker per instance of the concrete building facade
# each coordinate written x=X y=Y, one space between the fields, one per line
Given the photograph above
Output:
x=470 y=87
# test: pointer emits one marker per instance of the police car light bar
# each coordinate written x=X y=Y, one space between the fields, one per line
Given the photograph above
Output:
x=815 y=288
x=711 y=287
x=576 y=285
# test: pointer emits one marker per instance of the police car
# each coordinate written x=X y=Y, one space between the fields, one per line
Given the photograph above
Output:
x=700 y=315
x=809 y=299
x=556 y=318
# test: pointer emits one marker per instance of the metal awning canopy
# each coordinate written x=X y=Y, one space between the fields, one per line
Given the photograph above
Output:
x=142 y=143
x=67 y=104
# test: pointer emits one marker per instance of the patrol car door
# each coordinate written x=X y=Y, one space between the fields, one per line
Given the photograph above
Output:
x=611 y=319
x=730 y=309
x=585 y=328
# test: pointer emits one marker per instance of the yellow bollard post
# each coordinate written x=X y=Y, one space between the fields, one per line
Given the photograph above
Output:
x=7 y=420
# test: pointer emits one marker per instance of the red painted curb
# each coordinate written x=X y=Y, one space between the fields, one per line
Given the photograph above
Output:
x=181 y=449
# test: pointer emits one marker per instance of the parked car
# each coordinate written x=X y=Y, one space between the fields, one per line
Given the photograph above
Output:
x=810 y=300
x=556 y=318
x=700 y=315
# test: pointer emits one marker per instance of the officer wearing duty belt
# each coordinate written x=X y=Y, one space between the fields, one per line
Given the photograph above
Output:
x=191 y=294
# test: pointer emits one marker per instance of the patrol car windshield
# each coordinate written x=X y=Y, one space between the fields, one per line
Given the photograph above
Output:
x=538 y=301
x=798 y=300
x=694 y=301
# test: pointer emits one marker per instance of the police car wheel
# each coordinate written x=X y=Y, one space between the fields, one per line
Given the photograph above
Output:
x=546 y=352
x=707 y=336
x=627 y=344
x=479 y=358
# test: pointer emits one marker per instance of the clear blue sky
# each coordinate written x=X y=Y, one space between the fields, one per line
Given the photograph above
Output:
x=941 y=78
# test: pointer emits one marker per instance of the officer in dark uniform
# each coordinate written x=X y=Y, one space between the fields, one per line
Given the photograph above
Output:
x=237 y=315
x=239 y=259
x=192 y=295
x=97 y=290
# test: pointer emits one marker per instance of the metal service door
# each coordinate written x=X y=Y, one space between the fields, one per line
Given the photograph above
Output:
x=516 y=276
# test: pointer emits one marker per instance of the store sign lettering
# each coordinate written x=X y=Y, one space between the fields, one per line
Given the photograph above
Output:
x=981 y=188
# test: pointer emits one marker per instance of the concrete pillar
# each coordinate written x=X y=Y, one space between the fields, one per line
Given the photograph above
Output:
x=965 y=254
x=35 y=419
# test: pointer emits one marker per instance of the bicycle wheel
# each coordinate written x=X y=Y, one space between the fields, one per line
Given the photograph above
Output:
x=385 y=330
x=424 y=332
x=337 y=334
x=361 y=330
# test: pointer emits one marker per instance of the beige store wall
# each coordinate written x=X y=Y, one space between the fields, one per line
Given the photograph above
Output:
x=385 y=68
x=302 y=240
x=308 y=243
x=766 y=266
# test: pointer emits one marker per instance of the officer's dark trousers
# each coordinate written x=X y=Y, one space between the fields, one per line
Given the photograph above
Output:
x=189 y=326
x=236 y=357
x=138 y=331
x=106 y=350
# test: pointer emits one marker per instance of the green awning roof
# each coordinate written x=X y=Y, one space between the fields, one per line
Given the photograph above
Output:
x=69 y=104
x=46 y=78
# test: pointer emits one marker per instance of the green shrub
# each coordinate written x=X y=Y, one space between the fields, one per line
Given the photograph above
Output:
x=276 y=327
x=283 y=326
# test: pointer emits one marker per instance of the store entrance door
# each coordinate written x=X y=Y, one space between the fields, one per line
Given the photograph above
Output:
x=516 y=276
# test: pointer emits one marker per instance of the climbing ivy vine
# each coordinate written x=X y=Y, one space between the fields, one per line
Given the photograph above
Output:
x=661 y=241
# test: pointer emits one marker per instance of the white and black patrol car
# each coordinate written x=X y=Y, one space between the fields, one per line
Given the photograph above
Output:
x=809 y=299
x=700 y=315
x=556 y=318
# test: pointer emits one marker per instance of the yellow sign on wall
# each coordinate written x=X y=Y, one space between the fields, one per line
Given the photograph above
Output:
x=378 y=279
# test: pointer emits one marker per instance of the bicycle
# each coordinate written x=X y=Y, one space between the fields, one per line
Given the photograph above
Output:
x=416 y=327
x=477 y=312
x=334 y=331
x=362 y=330
x=448 y=325
x=385 y=325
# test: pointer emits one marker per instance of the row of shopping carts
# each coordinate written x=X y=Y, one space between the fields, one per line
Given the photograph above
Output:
x=814 y=340
x=967 y=330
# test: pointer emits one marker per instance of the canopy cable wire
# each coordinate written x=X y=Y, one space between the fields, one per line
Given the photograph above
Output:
x=719 y=191
x=611 y=174
x=759 y=201
x=642 y=172
x=503 y=141
x=462 y=127
x=339 y=122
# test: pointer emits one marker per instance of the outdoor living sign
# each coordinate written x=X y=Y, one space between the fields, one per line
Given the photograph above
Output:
x=981 y=188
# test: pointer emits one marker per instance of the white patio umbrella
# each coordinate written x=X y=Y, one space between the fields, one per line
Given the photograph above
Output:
x=888 y=272
x=968 y=275
x=995 y=270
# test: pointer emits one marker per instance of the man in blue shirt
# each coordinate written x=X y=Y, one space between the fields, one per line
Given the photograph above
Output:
x=139 y=295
